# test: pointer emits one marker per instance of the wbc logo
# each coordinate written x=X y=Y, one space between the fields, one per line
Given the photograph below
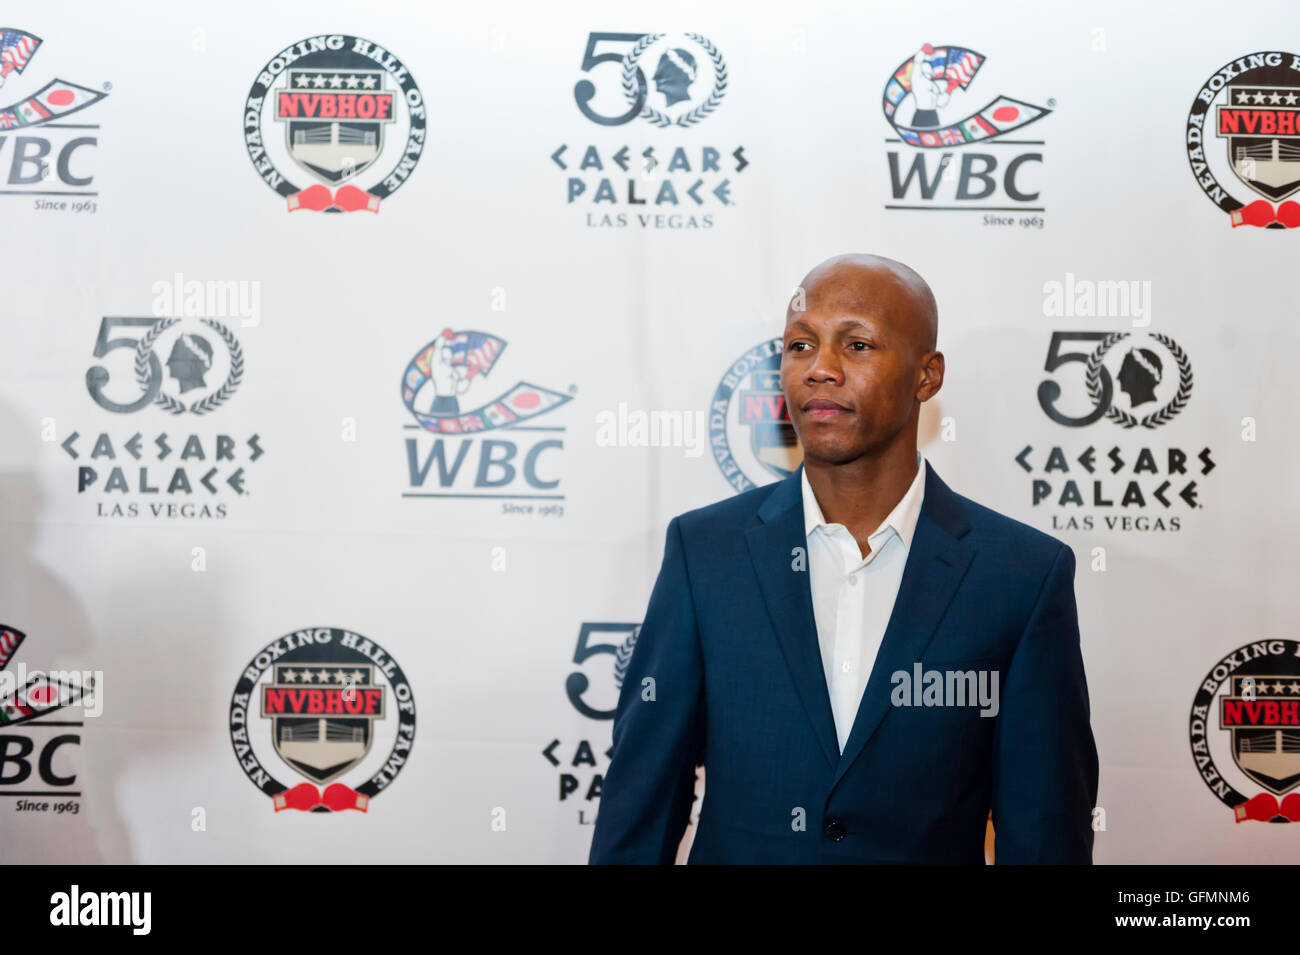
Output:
x=45 y=153
x=949 y=152
x=463 y=409
x=39 y=735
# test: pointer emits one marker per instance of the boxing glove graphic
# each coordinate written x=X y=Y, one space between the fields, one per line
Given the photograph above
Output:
x=1291 y=803
x=1288 y=213
x=339 y=797
x=314 y=198
x=1258 y=213
x=352 y=199
x=303 y=797
x=1261 y=808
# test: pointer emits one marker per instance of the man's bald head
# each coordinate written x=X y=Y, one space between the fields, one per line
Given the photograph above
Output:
x=859 y=360
x=862 y=283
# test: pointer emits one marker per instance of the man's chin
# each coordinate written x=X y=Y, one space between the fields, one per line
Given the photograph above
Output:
x=831 y=452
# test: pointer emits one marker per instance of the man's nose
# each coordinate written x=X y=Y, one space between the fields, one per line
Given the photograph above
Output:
x=826 y=367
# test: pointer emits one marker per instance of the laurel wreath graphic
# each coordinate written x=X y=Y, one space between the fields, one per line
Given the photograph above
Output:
x=143 y=372
x=1160 y=415
x=631 y=91
x=624 y=656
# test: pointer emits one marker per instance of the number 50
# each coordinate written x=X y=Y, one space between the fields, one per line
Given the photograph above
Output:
x=1049 y=391
x=585 y=91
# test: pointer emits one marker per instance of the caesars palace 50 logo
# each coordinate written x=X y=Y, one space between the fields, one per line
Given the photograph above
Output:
x=182 y=368
x=926 y=102
x=329 y=706
x=1138 y=382
x=581 y=765
x=1252 y=699
x=1243 y=130
x=345 y=112
x=47 y=157
x=671 y=82
x=601 y=658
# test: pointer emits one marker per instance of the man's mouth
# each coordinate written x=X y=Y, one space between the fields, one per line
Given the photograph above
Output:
x=820 y=409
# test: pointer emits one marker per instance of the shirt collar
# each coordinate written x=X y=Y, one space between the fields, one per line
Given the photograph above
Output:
x=902 y=519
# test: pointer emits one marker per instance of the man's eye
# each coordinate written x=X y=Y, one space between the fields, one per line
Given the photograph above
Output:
x=798 y=346
x=860 y=346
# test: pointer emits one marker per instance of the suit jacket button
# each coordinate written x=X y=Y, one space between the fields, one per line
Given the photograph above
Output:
x=835 y=832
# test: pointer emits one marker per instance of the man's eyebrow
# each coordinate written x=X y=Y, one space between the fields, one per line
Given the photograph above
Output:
x=841 y=322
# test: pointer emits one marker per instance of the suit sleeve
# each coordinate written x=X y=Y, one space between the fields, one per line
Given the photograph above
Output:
x=1044 y=756
x=645 y=801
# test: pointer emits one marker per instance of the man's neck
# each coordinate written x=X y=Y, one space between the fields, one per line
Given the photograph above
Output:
x=860 y=494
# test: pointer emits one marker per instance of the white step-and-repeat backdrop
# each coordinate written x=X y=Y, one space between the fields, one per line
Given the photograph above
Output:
x=357 y=355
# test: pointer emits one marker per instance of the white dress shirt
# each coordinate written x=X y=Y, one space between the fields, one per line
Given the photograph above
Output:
x=853 y=596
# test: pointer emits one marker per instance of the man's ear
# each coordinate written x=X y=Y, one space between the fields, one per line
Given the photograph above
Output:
x=930 y=376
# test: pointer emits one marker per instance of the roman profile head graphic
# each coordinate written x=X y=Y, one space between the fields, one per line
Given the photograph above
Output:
x=190 y=359
x=1139 y=375
x=675 y=74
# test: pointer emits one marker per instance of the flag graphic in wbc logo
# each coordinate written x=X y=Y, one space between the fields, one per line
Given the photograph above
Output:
x=16 y=48
x=453 y=364
x=54 y=100
x=9 y=641
x=31 y=696
x=920 y=89
x=325 y=697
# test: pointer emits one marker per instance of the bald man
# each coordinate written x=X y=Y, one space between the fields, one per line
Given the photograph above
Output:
x=866 y=663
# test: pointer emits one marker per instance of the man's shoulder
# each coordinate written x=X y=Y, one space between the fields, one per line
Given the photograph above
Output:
x=728 y=514
x=988 y=528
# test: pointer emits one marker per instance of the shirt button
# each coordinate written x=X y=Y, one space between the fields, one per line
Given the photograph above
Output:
x=835 y=832
x=846 y=666
x=853 y=580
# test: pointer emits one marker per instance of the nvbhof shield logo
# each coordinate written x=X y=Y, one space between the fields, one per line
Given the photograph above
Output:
x=321 y=716
x=334 y=119
x=1261 y=714
x=750 y=434
x=771 y=435
x=1259 y=122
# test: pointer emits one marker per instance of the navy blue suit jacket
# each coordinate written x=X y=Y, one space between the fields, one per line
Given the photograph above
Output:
x=730 y=644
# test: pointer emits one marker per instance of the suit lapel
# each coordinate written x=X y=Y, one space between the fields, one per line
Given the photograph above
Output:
x=788 y=596
x=935 y=566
